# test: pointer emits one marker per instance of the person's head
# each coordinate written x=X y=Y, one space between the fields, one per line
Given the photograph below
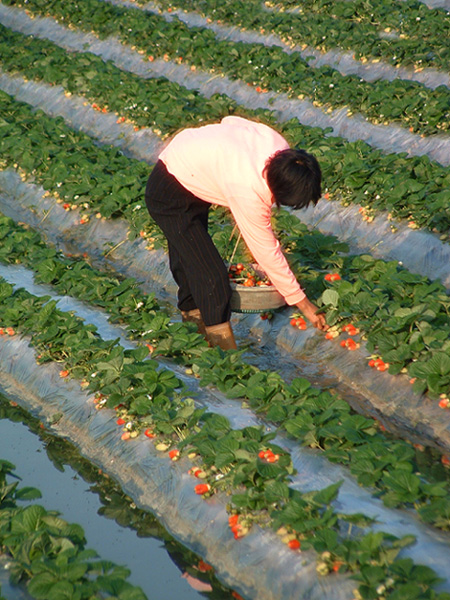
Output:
x=294 y=178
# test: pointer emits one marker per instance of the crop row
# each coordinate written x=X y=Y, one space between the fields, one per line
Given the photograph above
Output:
x=403 y=317
x=49 y=554
x=352 y=171
x=267 y=68
x=406 y=33
x=236 y=461
x=298 y=408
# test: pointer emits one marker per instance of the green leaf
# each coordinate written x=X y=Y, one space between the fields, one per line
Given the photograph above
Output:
x=330 y=298
x=328 y=494
x=40 y=585
x=28 y=493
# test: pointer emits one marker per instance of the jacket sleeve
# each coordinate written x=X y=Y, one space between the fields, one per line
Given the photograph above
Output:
x=253 y=219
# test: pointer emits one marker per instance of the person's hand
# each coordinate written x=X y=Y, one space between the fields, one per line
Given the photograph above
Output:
x=310 y=311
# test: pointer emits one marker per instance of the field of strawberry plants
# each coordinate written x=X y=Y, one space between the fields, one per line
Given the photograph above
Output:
x=323 y=459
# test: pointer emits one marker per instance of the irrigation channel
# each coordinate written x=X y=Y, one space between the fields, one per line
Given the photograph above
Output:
x=83 y=494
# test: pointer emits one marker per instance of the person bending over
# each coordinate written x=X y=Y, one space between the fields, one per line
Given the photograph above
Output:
x=247 y=167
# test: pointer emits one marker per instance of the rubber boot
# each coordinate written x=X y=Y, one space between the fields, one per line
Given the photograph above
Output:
x=194 y=316
x=221 y=335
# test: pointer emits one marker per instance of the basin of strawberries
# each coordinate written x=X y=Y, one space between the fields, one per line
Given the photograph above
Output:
x=252 y=289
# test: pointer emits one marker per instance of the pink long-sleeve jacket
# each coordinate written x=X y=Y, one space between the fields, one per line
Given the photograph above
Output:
x=223 y=164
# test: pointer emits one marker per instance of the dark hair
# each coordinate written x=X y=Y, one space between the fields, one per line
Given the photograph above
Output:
x=294 y=178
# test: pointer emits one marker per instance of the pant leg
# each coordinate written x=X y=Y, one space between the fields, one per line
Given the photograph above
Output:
x=185 y=299
x=195 y=262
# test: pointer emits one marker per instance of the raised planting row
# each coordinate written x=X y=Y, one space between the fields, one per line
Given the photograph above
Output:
x=115 y=504
x=403 y=317
x=415 y=189
x=243 y=463
x=267 y=68
x=313 y=417
x=49 y=554
x=402 y=33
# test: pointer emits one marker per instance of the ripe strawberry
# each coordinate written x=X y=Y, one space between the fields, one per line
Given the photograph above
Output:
x=371 y=363
x=383 y=367
x=232 y=520
x=202 y=488
x=445 y=460
x=351 y=344
x=125 y=435
x=120 y=421
x=294 y=544
x=332 y=277
x=249 y=282
x=203 y=567
x=64 y=373
x=10 y=331
x=174 y=454
x=272 y=458
x=149 y=433
x=337 y=565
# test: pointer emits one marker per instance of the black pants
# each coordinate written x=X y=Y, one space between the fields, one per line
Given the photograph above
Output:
x=196 y=265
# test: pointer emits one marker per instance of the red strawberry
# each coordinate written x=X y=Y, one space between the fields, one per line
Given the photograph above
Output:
x=204 y=567
x=174 y=454
x=232 y=520
x=202 y=488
